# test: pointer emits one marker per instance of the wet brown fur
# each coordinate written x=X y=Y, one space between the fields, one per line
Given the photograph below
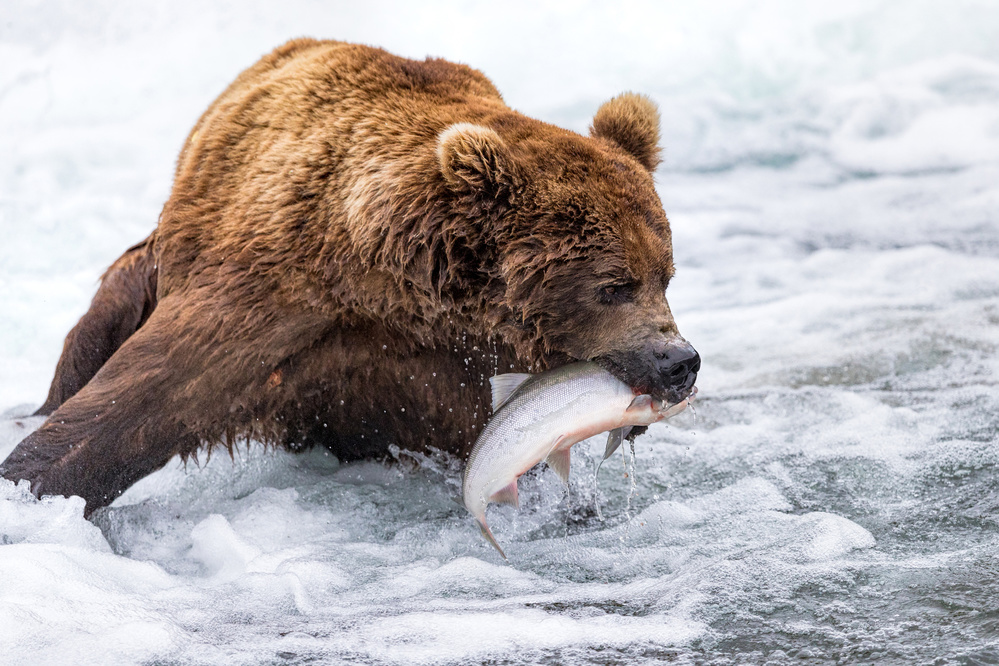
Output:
x=354 y=244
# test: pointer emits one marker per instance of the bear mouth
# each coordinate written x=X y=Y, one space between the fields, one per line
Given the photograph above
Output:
x=643 y=379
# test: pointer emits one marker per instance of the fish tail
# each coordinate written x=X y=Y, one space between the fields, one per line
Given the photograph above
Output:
x=488 y=534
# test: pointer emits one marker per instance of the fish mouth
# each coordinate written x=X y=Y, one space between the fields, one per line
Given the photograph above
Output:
x=674 y=396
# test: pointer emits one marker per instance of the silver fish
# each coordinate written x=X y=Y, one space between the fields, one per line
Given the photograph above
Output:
x=539 y=417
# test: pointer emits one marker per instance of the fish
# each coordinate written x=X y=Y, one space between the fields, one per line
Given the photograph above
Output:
x=539 y=417
x=617 y=436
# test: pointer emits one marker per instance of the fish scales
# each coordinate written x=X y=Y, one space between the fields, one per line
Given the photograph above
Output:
x=546 y=401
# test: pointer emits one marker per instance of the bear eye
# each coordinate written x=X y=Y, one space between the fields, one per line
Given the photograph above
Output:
x=617 y=293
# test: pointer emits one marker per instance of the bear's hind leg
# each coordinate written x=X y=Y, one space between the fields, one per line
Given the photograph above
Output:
x=125 y=299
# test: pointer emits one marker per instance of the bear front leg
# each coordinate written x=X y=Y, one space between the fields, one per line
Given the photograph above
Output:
x=118 y=428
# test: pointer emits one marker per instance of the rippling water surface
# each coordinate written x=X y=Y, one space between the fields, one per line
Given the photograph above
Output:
x=831 y=180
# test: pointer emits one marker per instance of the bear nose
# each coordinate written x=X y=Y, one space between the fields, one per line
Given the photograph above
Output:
x=677 y=363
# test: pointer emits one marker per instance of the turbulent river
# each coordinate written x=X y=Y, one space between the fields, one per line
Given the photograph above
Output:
x=832 y=182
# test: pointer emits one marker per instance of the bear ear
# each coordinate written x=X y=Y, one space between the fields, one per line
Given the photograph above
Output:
x=475 y=157
x=631 y=121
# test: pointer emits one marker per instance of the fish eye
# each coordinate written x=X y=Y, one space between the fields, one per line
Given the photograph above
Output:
x=617 y=293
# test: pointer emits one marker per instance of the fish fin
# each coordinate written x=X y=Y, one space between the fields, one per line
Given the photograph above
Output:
x=558 y=460
x=488 y=534
x=504 y=385
x=614 y=439
x=640 y=402
x=506 y=495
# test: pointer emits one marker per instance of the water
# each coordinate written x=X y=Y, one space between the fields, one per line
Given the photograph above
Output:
x=830 y=177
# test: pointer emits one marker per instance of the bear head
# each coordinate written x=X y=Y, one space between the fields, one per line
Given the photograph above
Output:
x=580 y=245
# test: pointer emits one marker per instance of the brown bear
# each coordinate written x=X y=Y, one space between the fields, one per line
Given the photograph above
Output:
x=354 y=243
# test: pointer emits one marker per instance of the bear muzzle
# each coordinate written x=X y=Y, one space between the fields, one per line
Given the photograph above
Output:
x=665 y=368
x=677 y=363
